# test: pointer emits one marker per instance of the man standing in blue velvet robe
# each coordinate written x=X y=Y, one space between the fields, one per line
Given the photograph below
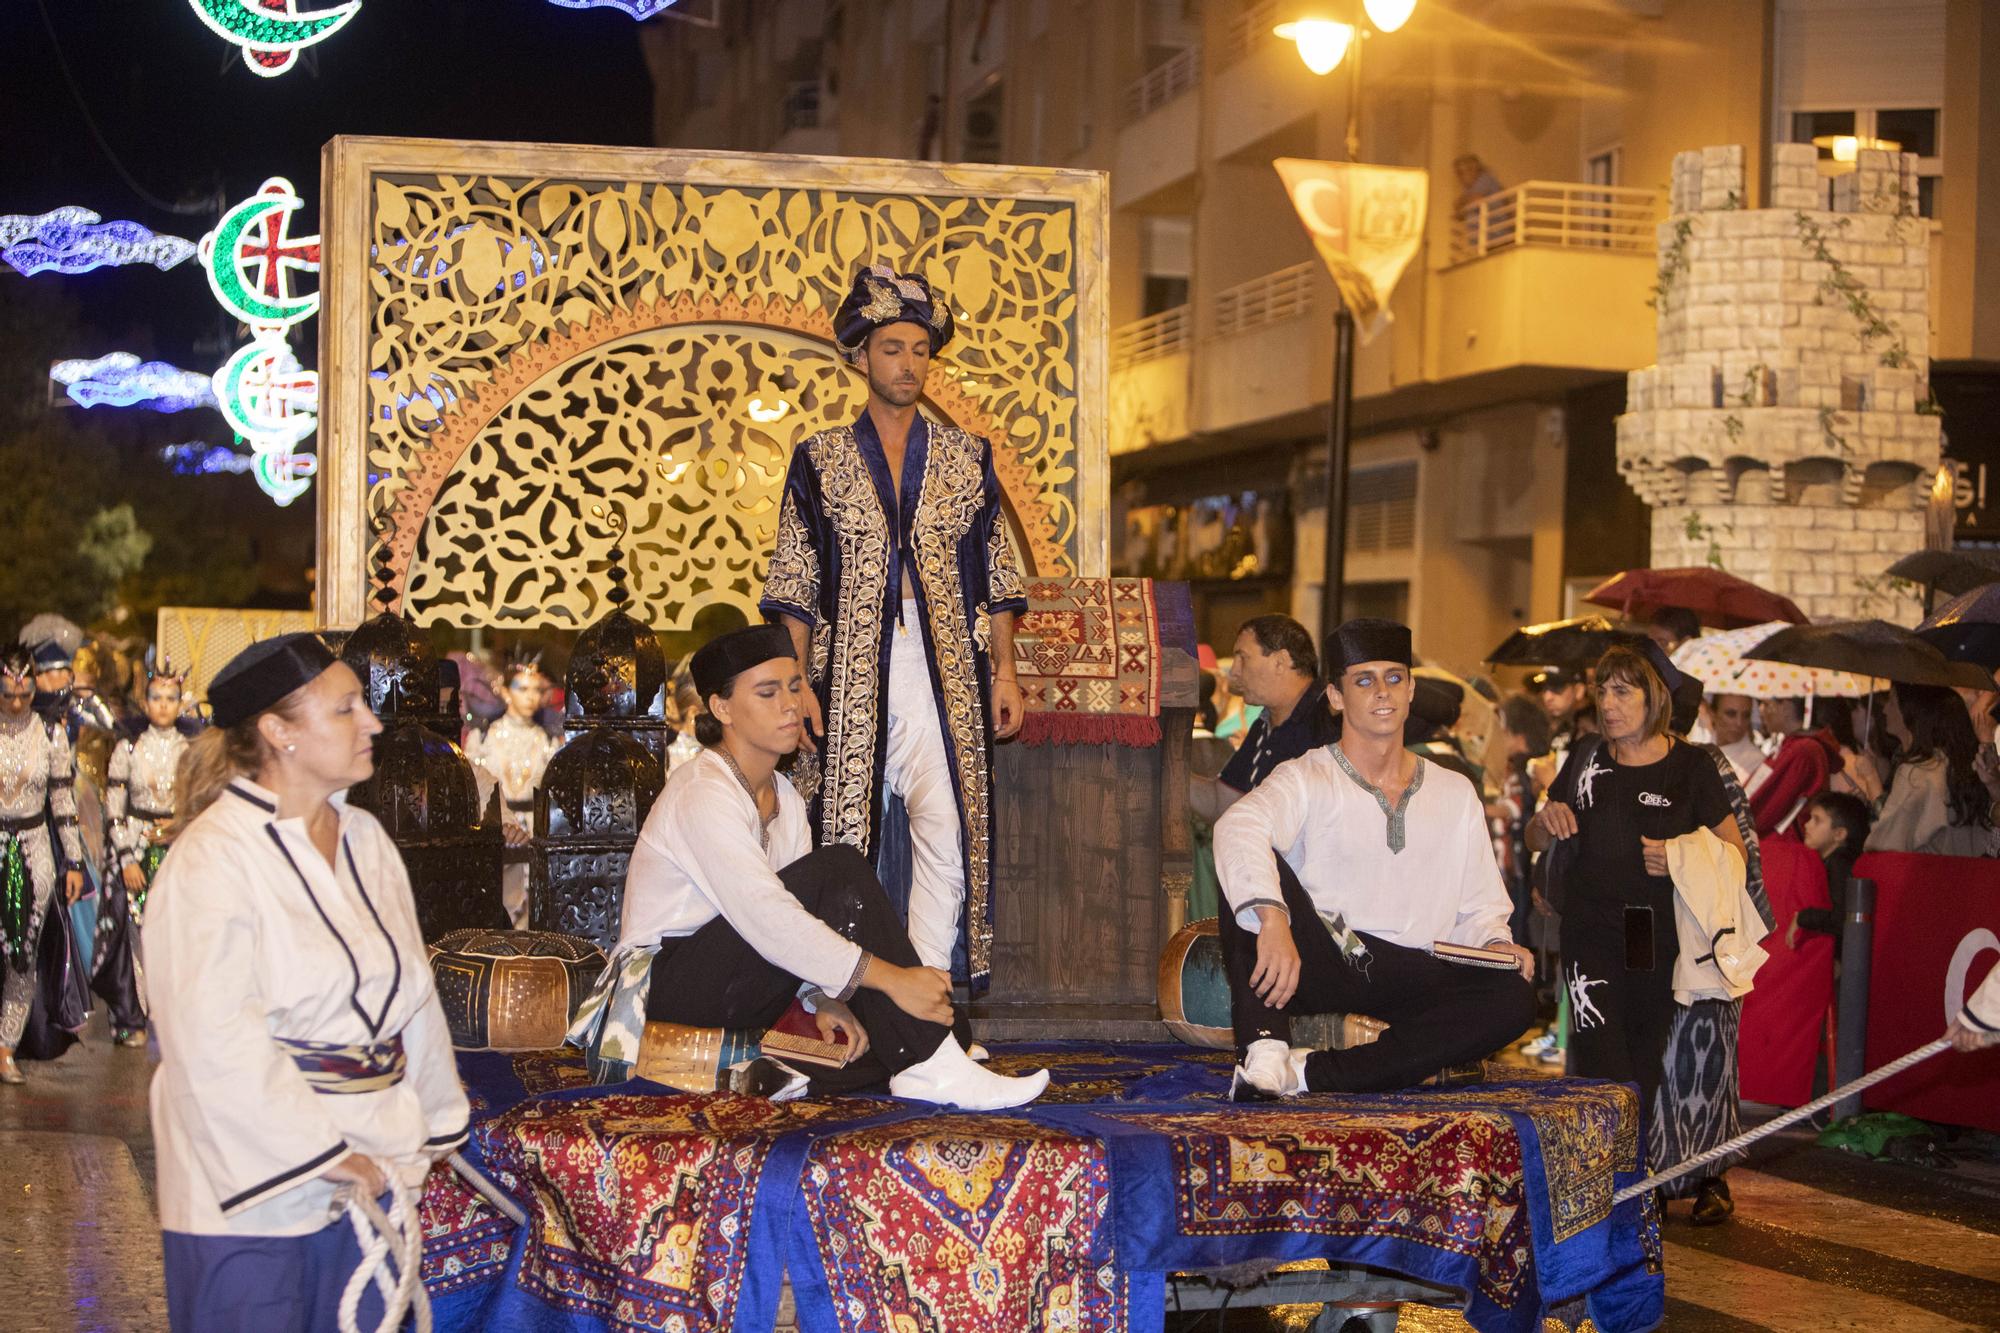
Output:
x=896 y=576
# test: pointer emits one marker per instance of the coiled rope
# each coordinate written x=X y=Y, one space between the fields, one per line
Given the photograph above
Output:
x=1792 y=1117
x=395 y=1241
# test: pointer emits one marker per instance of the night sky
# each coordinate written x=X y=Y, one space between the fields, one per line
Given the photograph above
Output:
x=187 y=119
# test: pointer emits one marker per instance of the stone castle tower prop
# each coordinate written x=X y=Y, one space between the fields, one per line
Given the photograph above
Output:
x=1788 y=433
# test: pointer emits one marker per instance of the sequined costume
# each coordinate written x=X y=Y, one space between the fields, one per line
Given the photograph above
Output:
x=37 y=789
x=512 y=754
x=139 y=803
x=894 y=676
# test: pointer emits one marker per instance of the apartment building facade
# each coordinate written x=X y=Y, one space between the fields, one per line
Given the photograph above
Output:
x=1483 y=489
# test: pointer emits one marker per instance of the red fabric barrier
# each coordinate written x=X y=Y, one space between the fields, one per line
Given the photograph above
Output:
x=1931 y=912
x=1784 y=1013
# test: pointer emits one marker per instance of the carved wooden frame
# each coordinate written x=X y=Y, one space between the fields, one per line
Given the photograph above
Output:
x=369 y=529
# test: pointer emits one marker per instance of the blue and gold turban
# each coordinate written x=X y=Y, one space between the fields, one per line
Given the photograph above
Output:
x=883 y=296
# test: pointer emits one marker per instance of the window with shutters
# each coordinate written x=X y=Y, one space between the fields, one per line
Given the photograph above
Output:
x=1382 y=509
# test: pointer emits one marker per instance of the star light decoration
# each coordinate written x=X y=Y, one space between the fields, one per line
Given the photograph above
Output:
x=123 y=380
x=261 y=390
x=271 y=33
x=76 y=240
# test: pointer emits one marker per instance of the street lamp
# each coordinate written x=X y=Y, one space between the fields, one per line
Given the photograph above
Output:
x=1323 y=43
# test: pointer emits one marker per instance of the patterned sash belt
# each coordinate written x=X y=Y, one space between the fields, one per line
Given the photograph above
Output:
x=334 y=1068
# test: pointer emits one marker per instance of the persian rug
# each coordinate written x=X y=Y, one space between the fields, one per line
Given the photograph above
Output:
x=658 y=1211
x=1087 y=653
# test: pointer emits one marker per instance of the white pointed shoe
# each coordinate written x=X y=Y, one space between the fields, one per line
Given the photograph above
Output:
x=950 y=1078
x=1270 y=1070
x=978 y=1054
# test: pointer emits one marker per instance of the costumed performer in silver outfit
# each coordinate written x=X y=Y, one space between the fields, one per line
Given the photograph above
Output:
x=302 y=1047
x=513 y=753
x=139 y=806
x=37 y=793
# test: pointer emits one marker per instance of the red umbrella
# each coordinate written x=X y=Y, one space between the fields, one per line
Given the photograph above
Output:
x=1721 y=600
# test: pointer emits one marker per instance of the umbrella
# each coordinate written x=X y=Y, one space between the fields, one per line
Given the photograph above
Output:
x=1718 y=662
x=1967 y=628
x=1869 y=647
x=1564 y=643
x=1714 y=596
x=1952 y=572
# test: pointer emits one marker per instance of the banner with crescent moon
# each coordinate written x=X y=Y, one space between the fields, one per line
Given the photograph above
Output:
x=1366 y=221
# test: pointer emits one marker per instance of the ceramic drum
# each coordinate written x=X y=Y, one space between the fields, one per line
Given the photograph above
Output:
x=1194 y=999
x=512 y=990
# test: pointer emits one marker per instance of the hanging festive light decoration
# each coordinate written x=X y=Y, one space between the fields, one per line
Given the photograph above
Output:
x=638 y=9
x=76 y=240
x=123 y=380
x=272 y=32
x=283 y=475
x=198 y=458
x=265 y=396
x=250 y=257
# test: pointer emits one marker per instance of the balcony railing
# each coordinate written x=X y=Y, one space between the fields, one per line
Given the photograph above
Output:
x=1285 y=294
x=1558 y=213
x=1246 y=32
x=1163 y=83
x=1150 y=338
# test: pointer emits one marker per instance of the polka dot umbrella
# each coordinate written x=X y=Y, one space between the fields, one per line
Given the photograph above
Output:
x=1718 y=662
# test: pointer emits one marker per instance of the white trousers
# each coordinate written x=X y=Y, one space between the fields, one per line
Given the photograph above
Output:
x=919 y=771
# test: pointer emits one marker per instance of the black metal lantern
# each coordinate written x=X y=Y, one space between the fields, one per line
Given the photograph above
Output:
x=617 y=679
x=401 y=677
x=423 y=789
x=594 y=798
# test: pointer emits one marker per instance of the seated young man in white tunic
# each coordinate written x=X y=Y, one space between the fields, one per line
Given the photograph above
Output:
x=1342 y=870
x=745 y=916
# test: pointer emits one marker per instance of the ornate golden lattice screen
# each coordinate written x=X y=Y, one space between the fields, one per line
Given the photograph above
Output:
x=525 y=345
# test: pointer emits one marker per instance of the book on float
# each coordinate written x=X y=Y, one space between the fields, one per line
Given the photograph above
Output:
x=795 y=1036
x=1475 y=955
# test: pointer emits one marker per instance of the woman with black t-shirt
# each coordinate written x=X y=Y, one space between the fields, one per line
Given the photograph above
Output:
x=1623 y=799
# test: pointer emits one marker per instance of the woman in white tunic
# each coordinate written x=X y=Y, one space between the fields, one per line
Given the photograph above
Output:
x=302 y=1047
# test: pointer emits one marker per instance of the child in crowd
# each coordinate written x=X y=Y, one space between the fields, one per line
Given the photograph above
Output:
x=1836 y=828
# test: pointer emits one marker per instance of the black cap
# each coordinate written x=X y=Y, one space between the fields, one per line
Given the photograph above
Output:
x=727 y=656
x=1553 y=678
x=264 y=673
x=1365 y=639
x=51 y=656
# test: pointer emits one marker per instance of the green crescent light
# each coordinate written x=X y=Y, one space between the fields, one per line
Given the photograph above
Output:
x=225 y=277
x=256 y=29
x=228 y=385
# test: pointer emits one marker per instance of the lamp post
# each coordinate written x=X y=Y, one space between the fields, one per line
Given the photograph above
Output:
x=1325 y=43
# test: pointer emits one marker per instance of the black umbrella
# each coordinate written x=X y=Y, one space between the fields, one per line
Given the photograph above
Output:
x=1950 y=572
x=1563 y=643
x=1869 y=648
x=1967 y=628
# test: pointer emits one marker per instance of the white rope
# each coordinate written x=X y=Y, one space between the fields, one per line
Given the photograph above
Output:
x=397 y=1241
x=1792 y=1117
x=489 y=1191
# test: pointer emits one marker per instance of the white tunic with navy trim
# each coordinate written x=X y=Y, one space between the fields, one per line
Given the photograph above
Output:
x=250 y=935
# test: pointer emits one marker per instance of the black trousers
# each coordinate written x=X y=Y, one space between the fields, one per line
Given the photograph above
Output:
x=1438 y=1013
x=1621 y=1004
x=714 y=979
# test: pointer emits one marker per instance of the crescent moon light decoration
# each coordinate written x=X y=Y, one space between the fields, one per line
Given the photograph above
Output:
x=272 y=32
